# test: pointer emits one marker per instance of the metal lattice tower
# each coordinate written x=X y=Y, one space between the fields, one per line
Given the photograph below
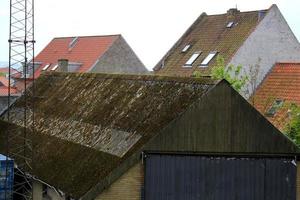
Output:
x=21 y=73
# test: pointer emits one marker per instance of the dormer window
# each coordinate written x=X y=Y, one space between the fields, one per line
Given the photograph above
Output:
x=192 y=59
x=230 y=24
x=186 y=48
x=277 y=104
x=208 y=58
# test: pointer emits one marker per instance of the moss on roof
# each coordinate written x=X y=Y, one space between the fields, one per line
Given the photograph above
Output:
x=87 y=124
x=209 y=33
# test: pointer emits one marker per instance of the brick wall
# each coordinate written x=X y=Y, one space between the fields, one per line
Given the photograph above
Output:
x=127 y=187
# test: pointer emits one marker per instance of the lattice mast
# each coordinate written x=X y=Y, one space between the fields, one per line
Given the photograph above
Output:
x=21 y=76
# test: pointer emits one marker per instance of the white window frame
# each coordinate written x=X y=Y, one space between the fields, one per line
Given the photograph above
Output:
x=230 y=24
x=46 y=67
x=54 y=68
x=208 y=58
x=192 y=59
x=186 y=48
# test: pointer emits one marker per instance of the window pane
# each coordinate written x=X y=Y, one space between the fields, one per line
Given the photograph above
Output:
x=192 y=59
x=210 y=56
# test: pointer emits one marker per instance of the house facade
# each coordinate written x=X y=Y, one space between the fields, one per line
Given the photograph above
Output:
x=260 y=37
x=110 y=136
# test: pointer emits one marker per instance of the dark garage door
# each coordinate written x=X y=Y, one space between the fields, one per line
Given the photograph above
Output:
x=177 y=177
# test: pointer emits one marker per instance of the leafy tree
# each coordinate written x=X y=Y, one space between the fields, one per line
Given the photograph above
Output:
x=292 y=128
x=233 y=74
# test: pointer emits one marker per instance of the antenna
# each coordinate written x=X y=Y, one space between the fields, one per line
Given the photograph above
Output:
x=21 y=59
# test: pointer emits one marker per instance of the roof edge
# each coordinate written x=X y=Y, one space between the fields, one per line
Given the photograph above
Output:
x=141 y=77
x=85 y=36
x=157 y=66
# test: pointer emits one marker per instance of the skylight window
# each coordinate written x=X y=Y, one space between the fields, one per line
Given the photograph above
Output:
x=210 y=56
x=192 y=59
x=46 y=67
x=186 y=48
x=277 y=104
x=73 y=42
x=54 y=68
x=230 y=24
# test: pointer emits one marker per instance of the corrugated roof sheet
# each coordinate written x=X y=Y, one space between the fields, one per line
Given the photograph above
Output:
x=87 y=124
x=209 y=33
x=282 y=82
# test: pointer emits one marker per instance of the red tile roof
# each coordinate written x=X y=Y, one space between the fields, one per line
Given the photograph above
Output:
x=4 y=91
x=86 y=51
x=4 y=81
x=283 y=82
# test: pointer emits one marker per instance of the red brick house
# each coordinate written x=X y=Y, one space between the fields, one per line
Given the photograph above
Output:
x=280 y=87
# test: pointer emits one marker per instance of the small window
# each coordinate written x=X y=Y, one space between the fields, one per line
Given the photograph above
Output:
x=277 y=104
x=210 y=56
x=54 y=68
x=186 y=48
x=230 y=25
x=73 y=42
x=46 y=67
x=192 y=59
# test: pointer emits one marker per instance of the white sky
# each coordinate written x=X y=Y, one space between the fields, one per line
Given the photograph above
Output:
x=150 y=27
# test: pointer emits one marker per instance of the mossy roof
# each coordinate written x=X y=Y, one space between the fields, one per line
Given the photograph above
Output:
x=87 y=124
x=209 y=33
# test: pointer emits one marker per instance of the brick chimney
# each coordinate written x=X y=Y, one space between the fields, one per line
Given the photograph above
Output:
x=232 y=12
x=63 y=65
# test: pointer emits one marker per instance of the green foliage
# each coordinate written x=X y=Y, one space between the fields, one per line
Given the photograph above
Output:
x=2 y=74
x=292 y=128
x=197 y=74
x=233 y=74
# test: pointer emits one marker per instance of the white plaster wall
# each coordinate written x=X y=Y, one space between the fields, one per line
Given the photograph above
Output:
x=272 y=41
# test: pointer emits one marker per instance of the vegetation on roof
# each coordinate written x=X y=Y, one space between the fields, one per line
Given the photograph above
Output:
x=87 y=124
x=208 y=33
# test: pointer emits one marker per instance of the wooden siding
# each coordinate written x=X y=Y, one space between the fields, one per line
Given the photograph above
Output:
x=298 y=181
x=127 y=187
x=222 y=122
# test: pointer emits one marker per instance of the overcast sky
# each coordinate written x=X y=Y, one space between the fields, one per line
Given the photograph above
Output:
x=150 y=27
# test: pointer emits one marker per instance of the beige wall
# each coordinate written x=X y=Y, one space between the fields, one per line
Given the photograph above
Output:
x=127 y=187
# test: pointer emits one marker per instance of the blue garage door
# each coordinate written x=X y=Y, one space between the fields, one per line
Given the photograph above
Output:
x=177 y=177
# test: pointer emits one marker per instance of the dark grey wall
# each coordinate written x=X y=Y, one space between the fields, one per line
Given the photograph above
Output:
x=177 y=177
x=222 y=121
x=4 y=102
x=119 y=58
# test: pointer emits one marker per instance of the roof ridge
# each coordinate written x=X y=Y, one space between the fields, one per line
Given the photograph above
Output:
x=85 y=36
x=145 y=77
x=243 y=12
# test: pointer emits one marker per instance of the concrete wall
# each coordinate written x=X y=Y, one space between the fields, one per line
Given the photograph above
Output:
x=127 y=187
x=272 y=41
x=119 y=58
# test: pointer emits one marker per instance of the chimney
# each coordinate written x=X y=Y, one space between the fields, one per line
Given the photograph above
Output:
x=63 y=65
x=232 y=12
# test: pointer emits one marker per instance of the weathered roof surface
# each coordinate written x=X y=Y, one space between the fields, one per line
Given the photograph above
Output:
x=87 y=124
x=282 y=82
x=86 y=50
x=209 y=33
